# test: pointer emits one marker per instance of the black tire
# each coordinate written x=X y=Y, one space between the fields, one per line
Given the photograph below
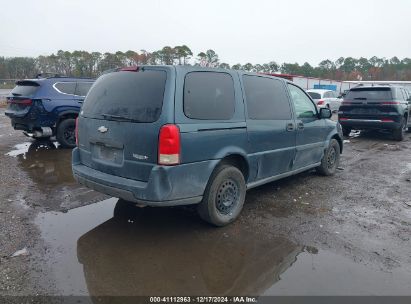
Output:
x=331 y=159
x=398 y=134
x=224 y=196
x=346 y=131
x=66 y=133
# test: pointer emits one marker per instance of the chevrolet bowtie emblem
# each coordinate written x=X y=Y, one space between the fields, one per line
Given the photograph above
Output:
x=102 y=129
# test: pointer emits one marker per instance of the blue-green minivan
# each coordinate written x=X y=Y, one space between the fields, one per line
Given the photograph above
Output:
x=178 y=135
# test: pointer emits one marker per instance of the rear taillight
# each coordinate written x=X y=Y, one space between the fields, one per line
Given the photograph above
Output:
x=169 y=145
x=387 y=120
x=26 y=102
x=342 y=118
x=345 y=103
x=320 y=102
x=76 y=131
x=131 y=68
x=390 y=103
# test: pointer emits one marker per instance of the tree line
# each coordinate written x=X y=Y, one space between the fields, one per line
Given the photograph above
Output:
x=92 y=64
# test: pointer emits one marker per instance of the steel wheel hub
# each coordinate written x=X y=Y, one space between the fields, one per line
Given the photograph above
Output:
x=227 y=196
x=331 y=158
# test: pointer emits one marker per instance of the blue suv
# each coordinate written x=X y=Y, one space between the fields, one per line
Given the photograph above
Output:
x=46 y=107
x=175 y=135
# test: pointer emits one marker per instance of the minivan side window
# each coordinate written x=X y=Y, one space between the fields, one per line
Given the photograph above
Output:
x=304 y=107
x=66 y=87
x=209 y=95
x=266 y=98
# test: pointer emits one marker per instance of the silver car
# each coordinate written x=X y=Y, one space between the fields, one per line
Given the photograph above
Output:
x=325 y=99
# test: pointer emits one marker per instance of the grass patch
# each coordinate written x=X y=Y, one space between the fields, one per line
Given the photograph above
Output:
x=7 y=86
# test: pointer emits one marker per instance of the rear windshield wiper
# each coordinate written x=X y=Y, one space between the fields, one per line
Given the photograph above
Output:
x=360 y=98
x=119 y=118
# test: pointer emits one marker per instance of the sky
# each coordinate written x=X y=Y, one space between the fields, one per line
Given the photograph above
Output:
x=239 y=31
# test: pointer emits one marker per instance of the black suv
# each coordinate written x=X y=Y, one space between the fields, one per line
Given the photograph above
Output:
x=376 y=107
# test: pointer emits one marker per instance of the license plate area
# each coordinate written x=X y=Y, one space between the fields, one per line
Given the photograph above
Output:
x=369 y=111
x=107 y=154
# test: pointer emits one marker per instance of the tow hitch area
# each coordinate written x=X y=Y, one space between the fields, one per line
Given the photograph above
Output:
x=45 y=132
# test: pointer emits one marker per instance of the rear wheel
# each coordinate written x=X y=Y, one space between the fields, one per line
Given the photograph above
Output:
x=66 y=133
x=224 y=196
x=398 y=134
x=331 y=159
x=346 y=131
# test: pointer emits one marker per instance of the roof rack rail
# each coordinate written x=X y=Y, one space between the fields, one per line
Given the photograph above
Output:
x=49 y=75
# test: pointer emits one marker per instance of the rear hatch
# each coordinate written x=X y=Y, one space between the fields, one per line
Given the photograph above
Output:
x=369 y=103
x=119 y=123
x=20 y=99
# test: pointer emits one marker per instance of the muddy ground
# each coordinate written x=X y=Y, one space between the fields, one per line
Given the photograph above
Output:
x=305 y=235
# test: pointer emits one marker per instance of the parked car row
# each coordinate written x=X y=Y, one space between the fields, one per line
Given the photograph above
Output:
x=175 y=135
x=48 y=106
x=325 y=99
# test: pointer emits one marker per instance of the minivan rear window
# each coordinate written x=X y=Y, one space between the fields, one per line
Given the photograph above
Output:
x=137 y=96
x=369 y=93
x=26 y=89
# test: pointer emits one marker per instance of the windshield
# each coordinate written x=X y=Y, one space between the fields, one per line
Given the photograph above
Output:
x=369 y=93
x=132 y=96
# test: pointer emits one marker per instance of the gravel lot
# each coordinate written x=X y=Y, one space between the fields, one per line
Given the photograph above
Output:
x=305 y=235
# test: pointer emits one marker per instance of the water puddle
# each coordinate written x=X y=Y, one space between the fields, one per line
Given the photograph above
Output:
x=19 y=149
x=49 y=168
x=110 y=248
x=44 y=162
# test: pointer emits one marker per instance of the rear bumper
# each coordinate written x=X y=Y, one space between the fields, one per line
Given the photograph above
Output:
x=369 y=124
x=167 y=185
x=29 y=124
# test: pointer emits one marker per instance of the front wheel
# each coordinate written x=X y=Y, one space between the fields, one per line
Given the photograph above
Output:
x=224 y=196
x=66 y=133
x=331 y=159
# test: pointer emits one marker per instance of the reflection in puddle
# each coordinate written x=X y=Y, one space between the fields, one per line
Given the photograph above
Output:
x=156 y=251
x=161 y=251
x=49 y=168
x=44 y=162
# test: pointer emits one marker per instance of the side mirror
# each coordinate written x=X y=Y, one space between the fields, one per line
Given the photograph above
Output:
x=325 y=113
